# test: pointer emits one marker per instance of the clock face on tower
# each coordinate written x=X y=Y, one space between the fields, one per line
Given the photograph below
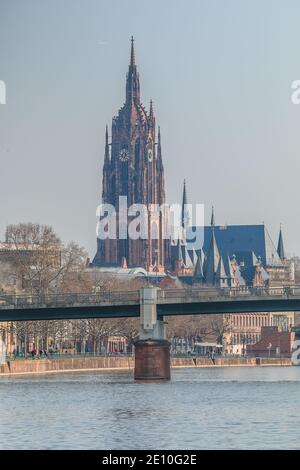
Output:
x=124 y=155
x=150 y=155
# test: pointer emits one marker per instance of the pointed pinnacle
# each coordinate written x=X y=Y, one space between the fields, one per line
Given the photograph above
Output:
x=132 y=54
x=212 y=220
x=151 y=108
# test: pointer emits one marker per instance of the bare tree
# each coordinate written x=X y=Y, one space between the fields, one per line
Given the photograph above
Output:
x=129 y=329
x=8 y=278
x=39 y=257
x=98 y=328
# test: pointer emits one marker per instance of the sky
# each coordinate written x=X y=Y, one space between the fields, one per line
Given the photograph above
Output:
x=219 y=74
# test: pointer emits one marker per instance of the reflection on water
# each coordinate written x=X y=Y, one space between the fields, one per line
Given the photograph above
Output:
x=199 y=409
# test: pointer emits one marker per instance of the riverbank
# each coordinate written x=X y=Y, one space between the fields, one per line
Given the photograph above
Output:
x=230 y=362
x=79 y=364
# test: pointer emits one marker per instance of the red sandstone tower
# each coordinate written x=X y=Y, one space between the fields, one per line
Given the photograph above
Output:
x=133 y=167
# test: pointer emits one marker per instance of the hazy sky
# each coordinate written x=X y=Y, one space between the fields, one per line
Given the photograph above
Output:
x=219 y=73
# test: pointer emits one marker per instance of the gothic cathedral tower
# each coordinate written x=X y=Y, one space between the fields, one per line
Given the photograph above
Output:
x=133 y=168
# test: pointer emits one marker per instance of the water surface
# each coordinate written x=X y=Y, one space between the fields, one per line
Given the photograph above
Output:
x=222 y=408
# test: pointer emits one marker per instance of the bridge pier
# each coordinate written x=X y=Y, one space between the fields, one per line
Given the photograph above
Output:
x=152 y=350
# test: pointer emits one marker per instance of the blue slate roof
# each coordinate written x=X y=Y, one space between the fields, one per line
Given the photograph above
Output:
x=243 y=240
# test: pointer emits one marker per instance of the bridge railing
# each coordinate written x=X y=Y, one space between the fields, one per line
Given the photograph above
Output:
x=213 y=293
x=70 y=299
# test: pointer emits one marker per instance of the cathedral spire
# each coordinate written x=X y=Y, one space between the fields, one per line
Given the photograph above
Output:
x=106 y=137
x=132 y=54
x=221 y=276
x=280 y=246
x=184 y=210
x=198 y=272
x=212 y=260
x=133 y=168
x=106 y=170
x=151 y=115
x=159 y=152
x=132 y=81
x=159 y=156
x=212 y=220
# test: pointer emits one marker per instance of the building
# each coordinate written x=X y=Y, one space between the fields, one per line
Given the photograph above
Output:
x=243 y=331
x=231 y=256
x=242 y=257
x=273 y=342
x=133 y=168
x=114 y=345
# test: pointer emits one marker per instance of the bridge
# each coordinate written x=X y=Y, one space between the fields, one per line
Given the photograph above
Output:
x=118 y=304
x=151 y=305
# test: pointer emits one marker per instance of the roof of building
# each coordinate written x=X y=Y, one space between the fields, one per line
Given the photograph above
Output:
x=232 y=239
x=272 y=338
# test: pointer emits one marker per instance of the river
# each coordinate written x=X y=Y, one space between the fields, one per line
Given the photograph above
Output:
x=222 y=408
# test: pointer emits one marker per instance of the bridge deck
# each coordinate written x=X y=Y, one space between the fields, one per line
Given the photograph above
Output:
x=169 y=302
